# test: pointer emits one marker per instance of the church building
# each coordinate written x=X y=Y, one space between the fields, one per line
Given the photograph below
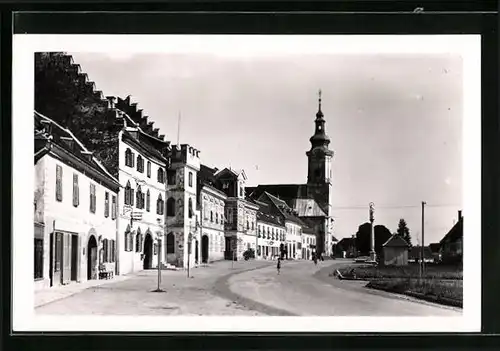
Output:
x=312 y=202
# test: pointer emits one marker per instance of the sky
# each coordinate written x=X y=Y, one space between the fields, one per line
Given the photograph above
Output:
x=394 y=120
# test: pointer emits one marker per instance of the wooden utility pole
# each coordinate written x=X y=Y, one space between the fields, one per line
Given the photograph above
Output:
x=423 y=242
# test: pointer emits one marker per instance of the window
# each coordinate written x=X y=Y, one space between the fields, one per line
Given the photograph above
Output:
x=161 y=176
x=253 y=225
x=170 y=243
x=105 y=250
x=129 y=158
x=76 y=191
x=126 y=241
x=138 y=242
x=159 y=205
x=129 y=195
x=190 y=178
x=113 y=207
x=248 y=224
x=171 y=177
x=148 y=201
x=140 y=164
x=112 y=249
x=211 y=216
x=139 y=198
x=171 y=207
x=190 y=208
x=59 y=172
x=38 y=258
x=149 y=169
x=92 y=198
x=217 y=218
x=241 y=192
x=259 y=231
x=106 y=204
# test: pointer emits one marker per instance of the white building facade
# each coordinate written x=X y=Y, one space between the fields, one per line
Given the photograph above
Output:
x=142 y=176
x=75 y=209
x=271 y=236
x=212 y=224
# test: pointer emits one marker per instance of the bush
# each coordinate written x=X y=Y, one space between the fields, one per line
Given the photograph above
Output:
x=248 y=254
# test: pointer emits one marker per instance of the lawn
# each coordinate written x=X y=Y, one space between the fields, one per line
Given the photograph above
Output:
x=449 y=292
x=432 y=271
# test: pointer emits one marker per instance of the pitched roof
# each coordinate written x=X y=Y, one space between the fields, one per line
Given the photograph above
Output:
x=307 y=208
x=283 y=208
x=287 y=192
x=265 y=214
x=455 y=233
x=396 y=241
x=58 y=135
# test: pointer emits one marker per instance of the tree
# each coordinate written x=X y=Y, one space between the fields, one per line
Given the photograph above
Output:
x=403 y=231
x=363 y=245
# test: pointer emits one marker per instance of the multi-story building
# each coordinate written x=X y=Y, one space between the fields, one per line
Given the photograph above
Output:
x=183 y=218
x=292 y=223
x=240 y=214
x=75 y=209
x=211 y=204
x=127 y=144
x=271 y=233
x=308 y=243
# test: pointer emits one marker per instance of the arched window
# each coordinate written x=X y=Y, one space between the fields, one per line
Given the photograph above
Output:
x=149 y=170
x=211 y=216
x=139 y=198
x=127 y=240
x=159 y=205
x=161 y=176
x=170 y=243
x=171 y=207
x=190 y=208
x=140 y=164
x=129 y=195
x=129 y=158
x=148 y=201
x=138 y=241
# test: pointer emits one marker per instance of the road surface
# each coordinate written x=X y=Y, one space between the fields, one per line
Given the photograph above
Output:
x=250 y=288
x=304 y=289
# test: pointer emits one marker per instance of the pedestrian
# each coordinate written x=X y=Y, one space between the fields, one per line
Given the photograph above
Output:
x=278 y=266
x=315 y=259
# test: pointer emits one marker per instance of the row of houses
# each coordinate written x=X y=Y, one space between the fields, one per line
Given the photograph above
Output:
x=113 y=196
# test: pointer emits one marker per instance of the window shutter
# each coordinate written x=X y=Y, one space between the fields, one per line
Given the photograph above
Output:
x=59 y=172
x=113 y=207
x=76 y=200
x=131 y=198
x=66 y=258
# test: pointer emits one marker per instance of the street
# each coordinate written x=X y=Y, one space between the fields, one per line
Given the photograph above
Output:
x=251 y=288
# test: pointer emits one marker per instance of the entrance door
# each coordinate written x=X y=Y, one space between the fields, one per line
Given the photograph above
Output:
x=74 y=257
x=228 y=252
x=196 y=252
x=204 y=249
x=57 y=253
x=148 y=252
x=92 y=258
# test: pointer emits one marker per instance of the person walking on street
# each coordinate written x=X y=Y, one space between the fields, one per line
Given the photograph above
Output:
x=315 y=259
x=278 y=266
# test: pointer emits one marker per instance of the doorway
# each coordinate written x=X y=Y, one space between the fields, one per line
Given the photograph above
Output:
x=74 y=257
x=196 y=252
x=92 y=258
x=148 y=252
x=204 y=249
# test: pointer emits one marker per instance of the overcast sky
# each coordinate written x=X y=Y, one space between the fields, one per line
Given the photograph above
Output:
x=395 y=122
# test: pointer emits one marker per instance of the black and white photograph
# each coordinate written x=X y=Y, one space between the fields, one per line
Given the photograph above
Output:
x=292 y=183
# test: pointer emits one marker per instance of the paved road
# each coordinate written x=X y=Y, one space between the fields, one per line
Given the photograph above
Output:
x=306 y=290
x=249 y=289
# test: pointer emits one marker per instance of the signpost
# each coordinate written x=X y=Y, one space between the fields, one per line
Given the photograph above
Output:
x=159 y=234
x=373 y=257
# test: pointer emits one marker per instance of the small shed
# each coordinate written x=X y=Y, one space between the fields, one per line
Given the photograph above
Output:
x=395 y=251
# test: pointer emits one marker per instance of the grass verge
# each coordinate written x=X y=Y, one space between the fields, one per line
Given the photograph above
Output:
x=446 y=292
x=432 y=271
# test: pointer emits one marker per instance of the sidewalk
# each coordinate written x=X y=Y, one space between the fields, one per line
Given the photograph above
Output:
x=45 y=296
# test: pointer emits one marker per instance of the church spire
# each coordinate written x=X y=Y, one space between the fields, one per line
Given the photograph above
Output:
x=319 y=139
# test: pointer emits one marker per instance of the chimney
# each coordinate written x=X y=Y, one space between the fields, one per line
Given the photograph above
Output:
x=459 y=214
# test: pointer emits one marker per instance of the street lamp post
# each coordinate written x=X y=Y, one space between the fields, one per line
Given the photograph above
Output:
x=159 y=235
x=373 y=256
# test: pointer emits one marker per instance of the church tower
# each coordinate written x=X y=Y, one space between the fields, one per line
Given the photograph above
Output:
x=319 y=176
